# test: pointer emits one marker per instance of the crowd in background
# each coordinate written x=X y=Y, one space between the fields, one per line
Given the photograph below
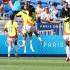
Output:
x=51 y=11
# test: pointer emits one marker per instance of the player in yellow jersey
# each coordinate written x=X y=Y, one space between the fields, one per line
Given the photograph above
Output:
x=11 y=27
x=67 y=36
x=28 y=27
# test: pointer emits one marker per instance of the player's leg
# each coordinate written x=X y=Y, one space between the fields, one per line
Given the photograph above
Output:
x=24 y=34
x=31 y=46
x=69 y=48
x=9 y=46
x=16 y=46
x=35 y=32
x=29 y=32
x=24 y=42
x=67 y=53
x=66 y=38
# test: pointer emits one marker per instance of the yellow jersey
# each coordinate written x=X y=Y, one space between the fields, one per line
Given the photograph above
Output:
x=66 y=26
x=11 y=28
x=26 y=19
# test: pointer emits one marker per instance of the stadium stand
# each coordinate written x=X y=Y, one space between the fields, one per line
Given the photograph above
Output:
x=8 y=11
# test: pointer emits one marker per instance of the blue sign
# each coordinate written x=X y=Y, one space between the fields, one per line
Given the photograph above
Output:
x=56 y=28
x=52 y=45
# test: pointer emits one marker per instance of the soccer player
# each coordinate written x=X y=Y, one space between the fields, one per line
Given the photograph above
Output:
x=32 y=17
x=11 y=27
x=28 y=27
x=67 y=36
x=25 y=25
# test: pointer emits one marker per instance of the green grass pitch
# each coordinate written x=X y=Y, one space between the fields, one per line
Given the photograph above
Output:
x=34 y=63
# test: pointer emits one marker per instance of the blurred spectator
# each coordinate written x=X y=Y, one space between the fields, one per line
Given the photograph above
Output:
x=16 y=6
x=49 y=3
x=46 y=16
x=6 y=8
x=68 y=2
x=53 y=9
x=63 y=2
x=39 y=10
x=65 y=10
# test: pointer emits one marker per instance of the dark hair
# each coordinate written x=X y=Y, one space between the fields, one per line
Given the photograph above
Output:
x=64 y=1
x=11 y=17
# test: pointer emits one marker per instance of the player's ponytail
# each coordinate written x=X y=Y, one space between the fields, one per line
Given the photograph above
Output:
x=12 y=18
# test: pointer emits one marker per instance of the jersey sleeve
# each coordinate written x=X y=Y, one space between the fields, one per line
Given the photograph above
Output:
x=19 y=14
